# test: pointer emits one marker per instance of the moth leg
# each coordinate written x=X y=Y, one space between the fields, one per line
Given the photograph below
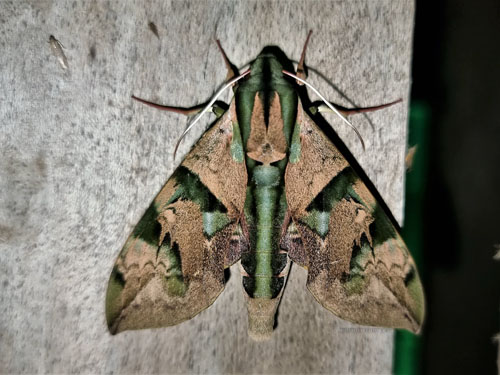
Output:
x=232 y=71
x=301 y=72
x=322 y=108
x=218 y=108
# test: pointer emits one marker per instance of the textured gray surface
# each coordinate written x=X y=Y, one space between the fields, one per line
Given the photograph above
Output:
x=81 y=162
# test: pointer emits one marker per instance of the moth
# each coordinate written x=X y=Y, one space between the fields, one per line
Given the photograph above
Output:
x=266 y=187
x=57 y=50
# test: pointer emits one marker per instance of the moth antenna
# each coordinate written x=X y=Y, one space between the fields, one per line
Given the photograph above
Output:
x=328 y=104
x=209 y=105
x=352 y=111
x=301 y=72
x=232 y=71
x=182 y=111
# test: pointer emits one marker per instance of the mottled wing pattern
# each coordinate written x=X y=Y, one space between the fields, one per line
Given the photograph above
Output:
x=172 y=265
x=358 y=266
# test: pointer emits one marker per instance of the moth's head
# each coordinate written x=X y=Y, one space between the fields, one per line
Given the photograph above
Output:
x=271 y=60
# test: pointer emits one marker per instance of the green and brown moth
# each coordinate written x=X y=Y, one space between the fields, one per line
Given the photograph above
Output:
x=264 y=185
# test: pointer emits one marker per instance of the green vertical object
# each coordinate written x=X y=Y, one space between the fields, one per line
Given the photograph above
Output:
x=407 y=346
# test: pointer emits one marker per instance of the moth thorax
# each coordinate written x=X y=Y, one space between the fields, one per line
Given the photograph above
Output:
x=266 y=143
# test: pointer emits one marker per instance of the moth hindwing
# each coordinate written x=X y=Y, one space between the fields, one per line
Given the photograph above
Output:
x=264 y=185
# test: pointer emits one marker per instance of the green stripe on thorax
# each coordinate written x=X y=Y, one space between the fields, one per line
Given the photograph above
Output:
x=266 y=109
x=266 y=79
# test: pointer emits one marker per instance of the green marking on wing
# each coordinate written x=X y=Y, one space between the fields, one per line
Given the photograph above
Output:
x=237 y=151
x=355 y=285
x=295 y=147
x=174 y=280
x=115 y=287
x=382 y=228
x=319 y=209
x=288 y=102
x=213 y=222
x=414 y=287
x=318 y=221
x=190 y=187
x=148 y=228
x=360 y=258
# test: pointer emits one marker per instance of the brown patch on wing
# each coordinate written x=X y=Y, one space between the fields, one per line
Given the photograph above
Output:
x=319 y=162
x=211 y=160
x=267 y=144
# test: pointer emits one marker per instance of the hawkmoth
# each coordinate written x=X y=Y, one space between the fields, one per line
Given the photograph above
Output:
x=264 y=186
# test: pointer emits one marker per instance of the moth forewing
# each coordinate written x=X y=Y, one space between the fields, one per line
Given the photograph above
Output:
x=172 y=265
